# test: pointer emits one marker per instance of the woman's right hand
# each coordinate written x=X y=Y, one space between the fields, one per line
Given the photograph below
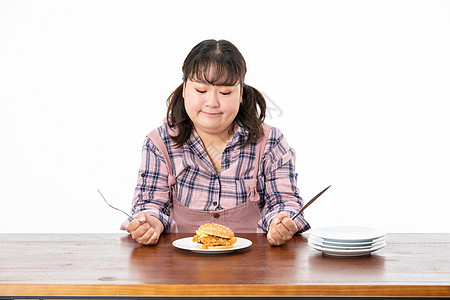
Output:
x=145 y=229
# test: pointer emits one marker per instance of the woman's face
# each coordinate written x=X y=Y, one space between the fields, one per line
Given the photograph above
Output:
x=212 y=108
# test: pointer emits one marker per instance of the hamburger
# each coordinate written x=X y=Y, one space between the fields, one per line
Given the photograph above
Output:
x=214 y=236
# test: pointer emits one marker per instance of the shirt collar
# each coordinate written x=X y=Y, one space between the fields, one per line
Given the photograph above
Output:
x=240 y=136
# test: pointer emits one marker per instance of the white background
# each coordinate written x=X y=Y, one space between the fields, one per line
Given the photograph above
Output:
x=359 y=88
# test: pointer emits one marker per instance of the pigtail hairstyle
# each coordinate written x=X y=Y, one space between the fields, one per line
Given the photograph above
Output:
x=229 y=68
x=177 y=117
x=248 y=116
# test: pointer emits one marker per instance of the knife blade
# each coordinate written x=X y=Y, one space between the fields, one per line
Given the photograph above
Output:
x=310 y=202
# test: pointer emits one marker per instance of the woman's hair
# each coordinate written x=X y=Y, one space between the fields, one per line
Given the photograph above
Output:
x=217 y=63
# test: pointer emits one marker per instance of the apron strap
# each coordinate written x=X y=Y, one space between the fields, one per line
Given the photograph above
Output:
x=260 y=146
x=159 y=143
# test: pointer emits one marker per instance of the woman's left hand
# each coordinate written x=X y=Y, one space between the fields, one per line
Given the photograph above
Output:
x=281 y=229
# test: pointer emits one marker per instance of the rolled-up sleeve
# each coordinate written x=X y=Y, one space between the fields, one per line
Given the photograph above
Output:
x=280 y=180
x=152 y=192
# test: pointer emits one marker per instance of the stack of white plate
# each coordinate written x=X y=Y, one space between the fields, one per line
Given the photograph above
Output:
x=347 y=240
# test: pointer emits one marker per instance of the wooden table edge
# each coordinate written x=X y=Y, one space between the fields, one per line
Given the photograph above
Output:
x=236 y=290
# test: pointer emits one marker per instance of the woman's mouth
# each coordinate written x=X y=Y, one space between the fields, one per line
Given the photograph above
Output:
x=211 y=113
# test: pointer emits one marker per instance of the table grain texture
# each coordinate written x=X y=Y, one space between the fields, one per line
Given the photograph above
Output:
x=110 y=265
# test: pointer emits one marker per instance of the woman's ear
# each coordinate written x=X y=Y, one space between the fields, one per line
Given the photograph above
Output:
x=184 y=86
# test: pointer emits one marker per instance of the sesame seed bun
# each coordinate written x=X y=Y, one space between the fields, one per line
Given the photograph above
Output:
x=217 y=230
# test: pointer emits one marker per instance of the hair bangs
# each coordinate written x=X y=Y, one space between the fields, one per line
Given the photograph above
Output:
x=216 y=68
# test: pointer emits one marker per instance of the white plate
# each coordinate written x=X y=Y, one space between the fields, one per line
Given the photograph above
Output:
x=336 y=252
x=345 y=247
x=188 y=244
x=333 y=243
x=348 y=234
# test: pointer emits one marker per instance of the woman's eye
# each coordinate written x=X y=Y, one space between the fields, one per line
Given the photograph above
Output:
x=227 y=93
x=201 y=92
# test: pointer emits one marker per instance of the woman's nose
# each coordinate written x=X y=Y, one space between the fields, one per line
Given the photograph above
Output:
x=211 y=100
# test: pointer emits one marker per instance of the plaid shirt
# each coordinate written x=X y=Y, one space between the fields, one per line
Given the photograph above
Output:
x=198 y=187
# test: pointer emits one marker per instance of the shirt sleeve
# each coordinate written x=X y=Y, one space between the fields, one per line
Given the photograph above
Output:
x=281 y=192
x=152 y=192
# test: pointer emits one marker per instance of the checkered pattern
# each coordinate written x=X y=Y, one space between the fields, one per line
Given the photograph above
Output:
x=200 y=187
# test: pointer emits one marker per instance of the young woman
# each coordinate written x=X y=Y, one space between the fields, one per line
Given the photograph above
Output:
x=214 y=160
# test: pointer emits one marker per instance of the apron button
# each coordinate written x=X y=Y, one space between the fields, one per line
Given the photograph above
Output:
x=216 y=215
x=215 y=203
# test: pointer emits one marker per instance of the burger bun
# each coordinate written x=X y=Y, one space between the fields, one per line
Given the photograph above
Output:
x=216 y=229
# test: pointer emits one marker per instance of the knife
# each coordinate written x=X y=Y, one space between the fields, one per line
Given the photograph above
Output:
x=309 y=203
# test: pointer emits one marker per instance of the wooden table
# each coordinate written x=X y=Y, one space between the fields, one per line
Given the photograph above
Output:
x=94 y=265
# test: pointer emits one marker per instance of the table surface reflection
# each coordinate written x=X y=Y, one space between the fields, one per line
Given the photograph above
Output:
x=96 y=265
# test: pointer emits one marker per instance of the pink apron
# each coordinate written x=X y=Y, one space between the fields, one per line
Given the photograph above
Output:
x=242 y=218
